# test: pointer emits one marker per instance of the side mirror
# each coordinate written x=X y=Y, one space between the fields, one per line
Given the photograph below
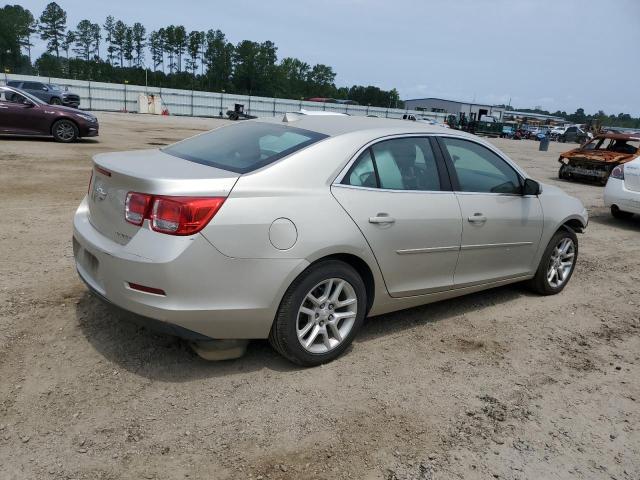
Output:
x=45 y=88
x=531 y=187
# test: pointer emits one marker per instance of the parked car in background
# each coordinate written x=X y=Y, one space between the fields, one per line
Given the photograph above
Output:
x=596 y=159
x=24 y=114
x=47 y=92
x=574 y=134
x=557 y=131
x=622 y=193
x=423 y=119
x=508 y=131
x=297 y=229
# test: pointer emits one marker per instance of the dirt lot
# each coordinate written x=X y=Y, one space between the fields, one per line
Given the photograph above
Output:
x=500 y=384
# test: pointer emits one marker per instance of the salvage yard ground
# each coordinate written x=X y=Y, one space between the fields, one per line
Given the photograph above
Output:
x=500 y=384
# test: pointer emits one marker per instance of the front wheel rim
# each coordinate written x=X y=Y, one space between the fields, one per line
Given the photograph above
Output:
x=561 y=262
x=327 y=315
x=65 y=131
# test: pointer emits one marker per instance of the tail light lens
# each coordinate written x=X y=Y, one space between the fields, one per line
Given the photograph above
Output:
x=136 y=207
x=171 y=215
x=618 y=172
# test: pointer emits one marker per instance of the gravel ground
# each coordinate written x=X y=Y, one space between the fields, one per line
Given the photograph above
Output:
x=499 y=384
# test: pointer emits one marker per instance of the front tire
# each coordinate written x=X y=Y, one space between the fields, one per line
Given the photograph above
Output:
x=557 y=264
x=55 y=101
x=65 y=131
x=320 y=314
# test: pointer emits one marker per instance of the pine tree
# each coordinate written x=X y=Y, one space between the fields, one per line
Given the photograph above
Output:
x=53 y=23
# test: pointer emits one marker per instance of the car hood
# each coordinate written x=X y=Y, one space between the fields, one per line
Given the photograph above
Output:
x=604 y=156
x=63 y=109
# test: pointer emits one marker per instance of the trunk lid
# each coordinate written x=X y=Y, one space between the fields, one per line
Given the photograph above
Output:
x=632 y=176
x=146 y=171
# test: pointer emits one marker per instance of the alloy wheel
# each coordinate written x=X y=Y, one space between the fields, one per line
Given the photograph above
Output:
x=327 y=315
x=65 y=131
x=561 y=262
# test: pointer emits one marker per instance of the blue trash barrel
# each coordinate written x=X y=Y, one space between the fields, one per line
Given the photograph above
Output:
x=544 y=144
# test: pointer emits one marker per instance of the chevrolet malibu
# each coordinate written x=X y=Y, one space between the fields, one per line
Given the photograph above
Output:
x=296 y=229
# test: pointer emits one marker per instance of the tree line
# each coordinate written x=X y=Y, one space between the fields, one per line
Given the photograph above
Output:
x=600 y=118
x=168 y=57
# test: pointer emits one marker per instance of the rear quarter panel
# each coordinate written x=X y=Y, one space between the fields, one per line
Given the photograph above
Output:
x=296 y=188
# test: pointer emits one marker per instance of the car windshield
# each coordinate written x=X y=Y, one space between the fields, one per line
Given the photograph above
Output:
x=53 y=86
x=613 y=145
x=9 y=94
x=243 y=147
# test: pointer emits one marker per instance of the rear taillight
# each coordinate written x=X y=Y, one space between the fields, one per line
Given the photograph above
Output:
x=618 y=172
x=136 y=207
x=171 y=215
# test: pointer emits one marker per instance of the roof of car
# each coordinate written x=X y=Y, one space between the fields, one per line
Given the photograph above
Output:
x=619 y=136
x=334 y=125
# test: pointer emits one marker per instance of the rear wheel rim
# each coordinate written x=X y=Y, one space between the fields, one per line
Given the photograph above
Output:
x=65 y=131
x=327 y=315
x=561 y=262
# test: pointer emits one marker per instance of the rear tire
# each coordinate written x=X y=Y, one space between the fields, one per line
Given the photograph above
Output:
x=314 y=324
x=553 y=272
x=65 y=131
x=617 y=213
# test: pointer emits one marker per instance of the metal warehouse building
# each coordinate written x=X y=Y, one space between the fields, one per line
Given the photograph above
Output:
x=473 y=111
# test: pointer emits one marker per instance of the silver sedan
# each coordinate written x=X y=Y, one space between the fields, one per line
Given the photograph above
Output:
x=296 y=229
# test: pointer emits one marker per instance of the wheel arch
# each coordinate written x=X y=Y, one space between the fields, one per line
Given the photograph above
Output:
x=360 y=266
x=573 y=223
x=57 y=119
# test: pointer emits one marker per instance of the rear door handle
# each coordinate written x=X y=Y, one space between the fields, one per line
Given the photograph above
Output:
x=477 y=218
x=381 y=219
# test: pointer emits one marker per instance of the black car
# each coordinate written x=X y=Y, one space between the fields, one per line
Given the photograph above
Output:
x=573 y=134
x=48 y=92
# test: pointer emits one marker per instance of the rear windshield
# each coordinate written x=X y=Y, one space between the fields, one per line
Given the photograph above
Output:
x=244 y=147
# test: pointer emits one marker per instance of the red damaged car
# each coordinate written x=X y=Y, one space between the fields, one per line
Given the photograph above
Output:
x=596 y=159
x=23 y=114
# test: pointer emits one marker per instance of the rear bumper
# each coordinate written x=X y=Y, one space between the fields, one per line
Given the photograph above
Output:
x=206 y=292
x=615 y=193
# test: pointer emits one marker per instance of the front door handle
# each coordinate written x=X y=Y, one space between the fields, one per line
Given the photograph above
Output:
x=477 y=218
x=381 y=219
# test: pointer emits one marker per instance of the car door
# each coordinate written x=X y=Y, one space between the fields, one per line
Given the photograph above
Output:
x=501 y=227
x=21 y=116
x=571 y=134
x=398 y=194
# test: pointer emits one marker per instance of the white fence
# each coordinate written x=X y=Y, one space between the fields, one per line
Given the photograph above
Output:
x=123 y=97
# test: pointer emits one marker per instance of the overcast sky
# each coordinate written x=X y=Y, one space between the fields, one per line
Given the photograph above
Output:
x=556 y=54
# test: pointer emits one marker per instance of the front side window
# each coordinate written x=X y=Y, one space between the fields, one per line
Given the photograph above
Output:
x=244 y=147
x=479 y=169
x=398 y=164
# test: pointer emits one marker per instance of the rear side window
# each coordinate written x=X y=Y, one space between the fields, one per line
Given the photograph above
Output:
x=32 y=86
x=398 y=164
x=13 y=83
x=244 y=147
